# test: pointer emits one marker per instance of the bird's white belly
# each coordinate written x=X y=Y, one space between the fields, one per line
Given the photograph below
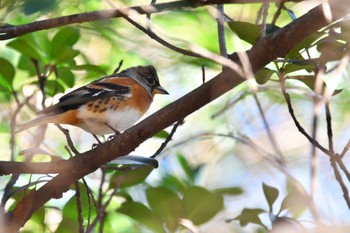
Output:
x=101 y=123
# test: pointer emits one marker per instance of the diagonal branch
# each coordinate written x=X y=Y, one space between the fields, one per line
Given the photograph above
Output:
x=264 y=51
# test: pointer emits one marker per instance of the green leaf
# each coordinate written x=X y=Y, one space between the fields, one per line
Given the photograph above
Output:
x=263 y=75
x=26 y=64
x=232 y=191
x=143 y=215
x=174 y=183
x=132 y=178
x=271 y=195
x=33 y=6
x=162 y=134
x=246 y=31
x=68 y=225
x=304 y=44
x=24 y=47
x=7 y=71
x=201 y=205
x=185 y=166
x=309 y=80
x=289 y=68
x=90 y=68
x=66 y=75
x=296 y=200
x=250 y=216
x=64 y=55
x=166 y=204
x=61 y=45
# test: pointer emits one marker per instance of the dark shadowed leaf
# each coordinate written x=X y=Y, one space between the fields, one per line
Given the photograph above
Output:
x=131 y=178
x=250 y=216
x=263 y=75
x=246 y=31
x=201 y=205
x=33 y=6
x=167 y=205
x=232 y=191
x=143 y=215
x=66 y=75
x=7 y=73
x=295 y=67
x=271 y=195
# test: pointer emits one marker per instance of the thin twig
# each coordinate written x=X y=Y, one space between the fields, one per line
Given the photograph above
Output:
x=116 y=70
x=277 y=13
x=339 y=179
x=346 y=148
x=79 y=207
x=68 y=138
x=296 y=122
x=314 y=157
x=270 y=135
x=203 y=74
x=168 y=139
x=329 y=128
x=221 y=30
x=265 y=12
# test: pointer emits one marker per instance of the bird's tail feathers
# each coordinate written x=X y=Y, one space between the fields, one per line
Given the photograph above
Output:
x=41 y=120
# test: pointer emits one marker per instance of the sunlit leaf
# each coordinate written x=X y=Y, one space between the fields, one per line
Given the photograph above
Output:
x=296 y=200
x=68 y=225
x=24 y=46
x=201 y=205
x=166 y=204
x=143 y=215
x=162 y=134
x=271 y=195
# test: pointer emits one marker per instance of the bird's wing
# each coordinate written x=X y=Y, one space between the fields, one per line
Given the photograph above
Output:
x=90 y=92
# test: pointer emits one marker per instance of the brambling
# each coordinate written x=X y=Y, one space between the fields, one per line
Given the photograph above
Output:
x=110 y=104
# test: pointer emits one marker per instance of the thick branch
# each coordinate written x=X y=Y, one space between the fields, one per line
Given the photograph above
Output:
x=264 y=51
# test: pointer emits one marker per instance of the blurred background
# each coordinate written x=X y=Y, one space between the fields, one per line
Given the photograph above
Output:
x=225 y=148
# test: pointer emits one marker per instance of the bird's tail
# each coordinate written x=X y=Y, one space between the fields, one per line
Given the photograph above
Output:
x=41 y=120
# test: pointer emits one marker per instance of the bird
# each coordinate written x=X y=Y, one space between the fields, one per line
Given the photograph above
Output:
x=108 y=105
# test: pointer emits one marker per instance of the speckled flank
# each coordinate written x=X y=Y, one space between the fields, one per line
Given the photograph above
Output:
x=119 y=112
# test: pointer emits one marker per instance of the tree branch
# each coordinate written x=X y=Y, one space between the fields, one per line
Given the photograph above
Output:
x=10 y=31
x=264 y=51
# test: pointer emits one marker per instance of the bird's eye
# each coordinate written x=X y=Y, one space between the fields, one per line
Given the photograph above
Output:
x=150 y=80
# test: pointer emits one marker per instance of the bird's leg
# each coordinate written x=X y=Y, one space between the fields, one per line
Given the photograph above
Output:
x=98 y=141
x=116 y=132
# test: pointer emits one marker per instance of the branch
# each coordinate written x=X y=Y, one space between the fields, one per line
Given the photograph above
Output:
x=10 y=31
x=264 y=51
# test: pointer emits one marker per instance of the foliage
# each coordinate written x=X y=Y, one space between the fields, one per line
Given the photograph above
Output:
x=200 y=181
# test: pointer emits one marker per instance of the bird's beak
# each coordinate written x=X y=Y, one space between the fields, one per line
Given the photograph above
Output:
x=160 y=90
